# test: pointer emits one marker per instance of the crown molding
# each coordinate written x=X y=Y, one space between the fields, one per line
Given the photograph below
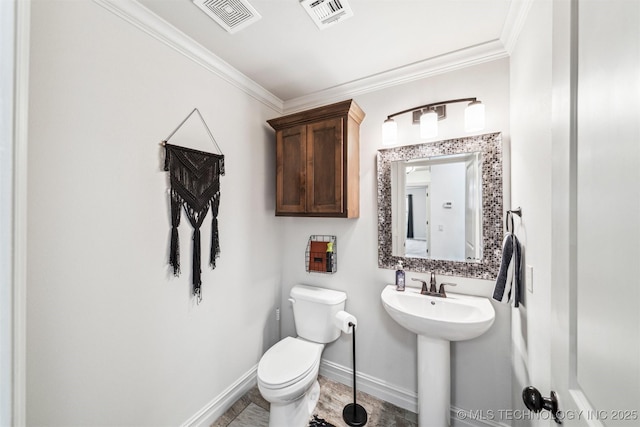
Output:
x=474 y=55
x=142 y=18
x=147 y=21
x=513 y=24
x=452 y=61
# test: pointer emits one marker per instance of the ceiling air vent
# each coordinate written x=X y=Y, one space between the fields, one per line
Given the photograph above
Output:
x=232 y=15
x=327 y=12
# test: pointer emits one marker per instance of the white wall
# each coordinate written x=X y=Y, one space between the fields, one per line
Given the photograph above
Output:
x=531 y=85
x=113 y=338
x=387 y=352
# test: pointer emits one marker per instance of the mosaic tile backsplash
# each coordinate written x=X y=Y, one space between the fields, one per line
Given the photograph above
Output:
x=490 y=145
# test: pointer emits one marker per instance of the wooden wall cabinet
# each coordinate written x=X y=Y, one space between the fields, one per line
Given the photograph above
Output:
x=318 y=161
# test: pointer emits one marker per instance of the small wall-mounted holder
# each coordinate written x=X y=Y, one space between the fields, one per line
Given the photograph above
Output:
x=321 y=255
x=509 y=218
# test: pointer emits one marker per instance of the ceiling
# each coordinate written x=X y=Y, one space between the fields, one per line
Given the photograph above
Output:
x=386 y=41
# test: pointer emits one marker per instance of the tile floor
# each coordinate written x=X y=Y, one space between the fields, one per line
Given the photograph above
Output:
x=251 y=410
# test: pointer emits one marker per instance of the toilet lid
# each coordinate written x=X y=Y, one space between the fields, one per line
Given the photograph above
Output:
x=287 y=361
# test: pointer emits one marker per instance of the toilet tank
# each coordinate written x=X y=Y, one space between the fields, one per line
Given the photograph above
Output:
x=314 y=311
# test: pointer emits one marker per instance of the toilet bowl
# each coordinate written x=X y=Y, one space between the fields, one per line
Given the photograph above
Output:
x=288 y=380
x=288 y=371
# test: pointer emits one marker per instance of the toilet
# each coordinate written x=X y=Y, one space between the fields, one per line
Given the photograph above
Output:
x=288 y=371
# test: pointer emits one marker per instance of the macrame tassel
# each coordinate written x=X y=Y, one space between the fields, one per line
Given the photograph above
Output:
x=197 y=272
x=221 y=165
x=167 y=153
x=215 y=245
x=215 y=241
x=174 y=252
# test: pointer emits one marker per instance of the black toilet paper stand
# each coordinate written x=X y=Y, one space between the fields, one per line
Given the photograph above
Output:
x=354 y=414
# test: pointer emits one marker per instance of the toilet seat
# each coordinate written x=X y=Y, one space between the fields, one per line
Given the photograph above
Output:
x=288 y=362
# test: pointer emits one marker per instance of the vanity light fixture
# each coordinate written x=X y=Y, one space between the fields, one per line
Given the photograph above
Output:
x=389 y=132
x=428 y=115
x=429 y=124
x=474 y=117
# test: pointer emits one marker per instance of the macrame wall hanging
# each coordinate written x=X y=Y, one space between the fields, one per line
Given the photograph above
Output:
x=195 y=186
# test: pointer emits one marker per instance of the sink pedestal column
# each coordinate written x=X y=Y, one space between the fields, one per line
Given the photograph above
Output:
x=434 y=382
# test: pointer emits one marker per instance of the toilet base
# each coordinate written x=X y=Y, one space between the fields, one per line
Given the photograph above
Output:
x=297 y=412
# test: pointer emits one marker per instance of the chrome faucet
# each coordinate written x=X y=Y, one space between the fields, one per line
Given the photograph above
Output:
x=432 y=291
x=433 y=282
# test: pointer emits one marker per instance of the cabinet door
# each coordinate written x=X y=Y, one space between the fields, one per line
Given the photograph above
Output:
x=325 y=180
x=291 y=159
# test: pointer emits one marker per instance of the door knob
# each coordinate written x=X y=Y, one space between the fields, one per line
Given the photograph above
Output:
x=534 y=401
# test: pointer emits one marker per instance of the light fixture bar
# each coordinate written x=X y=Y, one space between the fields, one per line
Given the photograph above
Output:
x=433 y=104
x=440 y=109
x=428 y=116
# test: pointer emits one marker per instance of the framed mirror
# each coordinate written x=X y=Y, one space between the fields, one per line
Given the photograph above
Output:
x=440 y=206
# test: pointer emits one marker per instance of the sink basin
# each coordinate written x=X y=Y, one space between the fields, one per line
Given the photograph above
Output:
x=455 y=318
x=437 y=321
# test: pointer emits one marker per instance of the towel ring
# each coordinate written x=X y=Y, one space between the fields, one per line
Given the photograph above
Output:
x=509 y=218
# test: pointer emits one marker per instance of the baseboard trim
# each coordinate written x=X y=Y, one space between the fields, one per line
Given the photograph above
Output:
x=376 y=387
x=402 y=398
x=221 y=403
x=399 y=396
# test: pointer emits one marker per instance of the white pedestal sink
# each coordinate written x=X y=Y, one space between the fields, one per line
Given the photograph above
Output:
x=437 y=321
